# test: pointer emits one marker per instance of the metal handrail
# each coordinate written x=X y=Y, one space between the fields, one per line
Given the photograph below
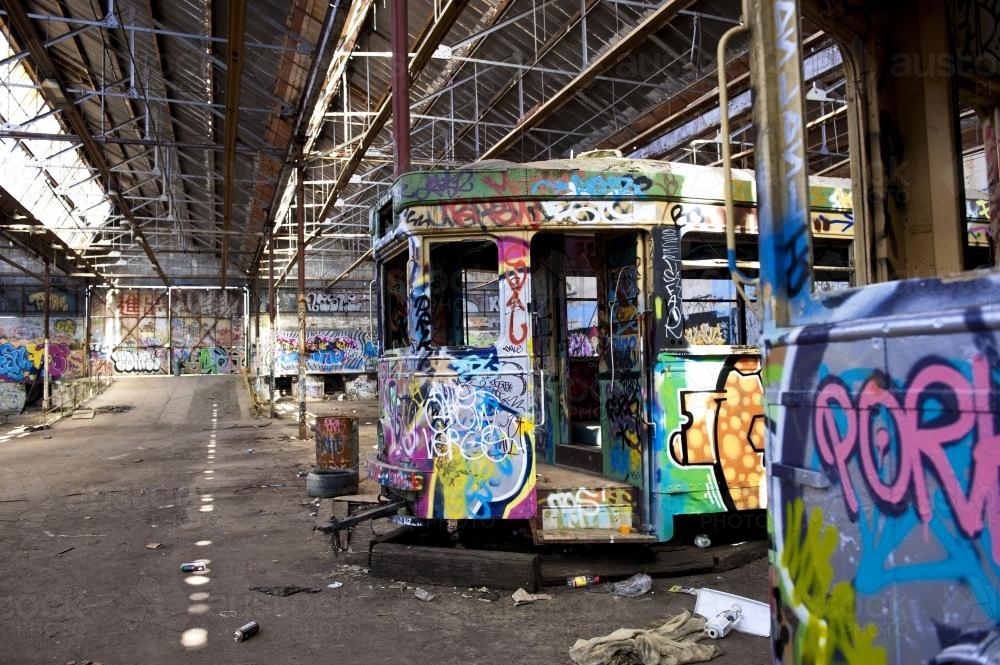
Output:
x=72 y=394
x=740 y=280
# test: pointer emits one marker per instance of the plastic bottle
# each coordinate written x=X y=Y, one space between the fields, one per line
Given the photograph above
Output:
x=634 y=586
x=580 y=581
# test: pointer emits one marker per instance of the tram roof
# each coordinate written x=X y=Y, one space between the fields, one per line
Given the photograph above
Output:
x=601 y=177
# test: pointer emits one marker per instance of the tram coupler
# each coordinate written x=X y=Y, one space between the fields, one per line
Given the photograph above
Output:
x=337 y=525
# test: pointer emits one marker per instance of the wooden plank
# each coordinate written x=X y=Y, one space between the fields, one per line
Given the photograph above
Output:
x=455 y=567
x=730 y=557
x=549 y=536
x=552 y=477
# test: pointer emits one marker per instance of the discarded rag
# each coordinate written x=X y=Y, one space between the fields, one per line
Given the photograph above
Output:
x=673 y=643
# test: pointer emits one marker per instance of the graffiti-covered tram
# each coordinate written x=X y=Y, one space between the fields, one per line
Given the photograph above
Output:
x=561 y=343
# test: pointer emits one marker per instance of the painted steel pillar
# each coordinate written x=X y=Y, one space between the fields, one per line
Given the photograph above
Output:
x=991 y=145
x=400 y=86
x=271 y=318
x=88 y=330
x=46 y=394
x=300 y=216
x=782 y=188
x=173 y=360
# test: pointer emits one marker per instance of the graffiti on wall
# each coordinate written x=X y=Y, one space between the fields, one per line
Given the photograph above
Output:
x=22 y=350
x=901 y=441
x=586 y=508
x=218 y=360
x=362 y=386
x=711 y=453
x=320 y=301
x=327 y=352
x=137 y=361
x=146 y=331
x=468 y=429
x=12 y=398
x=58 y=302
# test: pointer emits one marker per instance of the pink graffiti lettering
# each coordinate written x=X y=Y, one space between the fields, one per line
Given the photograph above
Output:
x=515 y=274
x=876 y=419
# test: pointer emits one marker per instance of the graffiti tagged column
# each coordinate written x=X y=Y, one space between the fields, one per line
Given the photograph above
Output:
x=300 y=214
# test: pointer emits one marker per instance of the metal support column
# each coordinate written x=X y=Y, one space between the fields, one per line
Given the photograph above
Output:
x=271 y=318
x=46 y=390
x=88 y=329
x=300 y=216
x=173 y=359
x=783 y=204
x=400 y=86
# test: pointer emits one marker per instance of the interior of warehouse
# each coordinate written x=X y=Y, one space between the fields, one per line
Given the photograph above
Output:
x=178 y=177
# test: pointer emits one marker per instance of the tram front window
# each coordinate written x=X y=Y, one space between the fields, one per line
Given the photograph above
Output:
x=465 y=293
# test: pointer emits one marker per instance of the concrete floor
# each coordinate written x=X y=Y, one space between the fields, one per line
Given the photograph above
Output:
x=97 y=514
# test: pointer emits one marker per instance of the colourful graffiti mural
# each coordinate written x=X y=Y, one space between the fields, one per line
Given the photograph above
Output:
x=469 y=437
x=22 y=350
x=327 y=352
x=818 y=610
x=149 y=331
x=710 y=456
x=473 y=417
x=891 y=441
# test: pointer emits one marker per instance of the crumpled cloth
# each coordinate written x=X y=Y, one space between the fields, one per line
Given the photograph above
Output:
x=673 y=643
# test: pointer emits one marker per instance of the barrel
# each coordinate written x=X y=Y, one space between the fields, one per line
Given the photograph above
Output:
x=337 y=443
x=336 y=472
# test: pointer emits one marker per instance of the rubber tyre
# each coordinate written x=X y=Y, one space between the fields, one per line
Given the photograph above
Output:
x=331 y=482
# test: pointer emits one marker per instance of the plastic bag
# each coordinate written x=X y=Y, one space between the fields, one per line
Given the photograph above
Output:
x=634 y=586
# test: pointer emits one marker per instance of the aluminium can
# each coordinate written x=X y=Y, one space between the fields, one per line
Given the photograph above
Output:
x=246 y=631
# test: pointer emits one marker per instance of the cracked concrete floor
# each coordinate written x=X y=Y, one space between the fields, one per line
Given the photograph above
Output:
x=97 y=514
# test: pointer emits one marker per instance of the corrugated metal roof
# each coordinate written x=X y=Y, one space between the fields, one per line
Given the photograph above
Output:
x=198 y=169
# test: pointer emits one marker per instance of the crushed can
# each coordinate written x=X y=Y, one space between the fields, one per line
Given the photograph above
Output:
x=246 y=631
x=192 y=567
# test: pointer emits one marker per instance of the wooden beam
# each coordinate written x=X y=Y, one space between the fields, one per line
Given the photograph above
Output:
x=455 y=567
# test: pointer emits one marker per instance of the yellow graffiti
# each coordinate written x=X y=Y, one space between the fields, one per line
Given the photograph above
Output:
x=705 y=334
x=740 y=431
x=727 y=428
x=453 y=480
x=818 y=613
x=36 y=352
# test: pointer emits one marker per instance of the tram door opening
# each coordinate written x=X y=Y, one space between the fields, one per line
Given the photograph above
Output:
x=586 y=350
